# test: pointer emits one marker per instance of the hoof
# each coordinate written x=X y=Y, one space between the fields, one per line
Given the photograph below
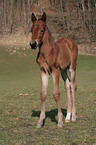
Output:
x=73 y=119
x=60 y=125
x=66 y=121
x=68 y=117
x=39 y=125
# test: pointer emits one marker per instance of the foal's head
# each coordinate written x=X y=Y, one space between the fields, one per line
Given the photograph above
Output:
x=38 y=29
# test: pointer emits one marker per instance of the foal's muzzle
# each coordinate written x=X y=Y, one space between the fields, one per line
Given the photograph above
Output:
x=33 y=44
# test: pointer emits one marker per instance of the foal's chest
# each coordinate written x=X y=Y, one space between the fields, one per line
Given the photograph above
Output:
x=46 y=63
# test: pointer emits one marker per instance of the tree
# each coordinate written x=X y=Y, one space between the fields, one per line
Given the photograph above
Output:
x=5 y=13
x=11 y=14
x=28 y=6
x=24 y=13
x=62 y=13
x=43 y=4
x=67 y=11
x=1 y=15
x=15 y=13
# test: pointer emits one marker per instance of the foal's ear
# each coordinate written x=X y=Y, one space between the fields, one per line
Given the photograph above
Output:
x=44 y=17
x=33 y=18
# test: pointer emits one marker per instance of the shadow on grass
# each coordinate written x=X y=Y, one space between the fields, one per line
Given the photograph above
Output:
x=50 y=114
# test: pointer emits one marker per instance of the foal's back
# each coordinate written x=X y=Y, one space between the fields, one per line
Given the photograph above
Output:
x=68 y=51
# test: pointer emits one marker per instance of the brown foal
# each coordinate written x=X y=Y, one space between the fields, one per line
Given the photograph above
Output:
x=54 y=57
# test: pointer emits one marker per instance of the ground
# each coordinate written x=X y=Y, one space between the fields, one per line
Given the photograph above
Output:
x=20 y=87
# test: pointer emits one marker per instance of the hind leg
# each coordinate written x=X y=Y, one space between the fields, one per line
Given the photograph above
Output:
x=73 y=89
x=68 y=117
x=67 y=86
x=56 y=94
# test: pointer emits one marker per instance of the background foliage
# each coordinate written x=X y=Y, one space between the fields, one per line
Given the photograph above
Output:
x=69 y=15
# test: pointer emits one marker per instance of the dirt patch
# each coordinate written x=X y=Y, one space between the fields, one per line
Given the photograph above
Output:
x=14 y=41
x=17 y=39
x=87 y=49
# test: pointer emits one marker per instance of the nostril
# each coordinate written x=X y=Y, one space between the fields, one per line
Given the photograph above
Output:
x=33 y=41
x=33 y=44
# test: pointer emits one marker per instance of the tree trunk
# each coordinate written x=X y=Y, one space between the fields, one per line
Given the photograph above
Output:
x=61 y=6
x=0 y=18
x=32 y=3
x=20 y=11
x=17 y=11
x=67 y=9
x=24 y=14
x=90 y=15
x=5 y=14
x=8 y=11
x=95 y=15
x=79 y=15
x=28 y=7
x=44 y=4
x=52 y=3
x=83 y=14
x=11 y=14
x=1 y=15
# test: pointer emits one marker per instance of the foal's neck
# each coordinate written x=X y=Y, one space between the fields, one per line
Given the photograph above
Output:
x=49 y=49
x=48 y=42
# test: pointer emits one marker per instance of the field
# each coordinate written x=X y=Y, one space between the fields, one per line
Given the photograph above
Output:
x=20 y=102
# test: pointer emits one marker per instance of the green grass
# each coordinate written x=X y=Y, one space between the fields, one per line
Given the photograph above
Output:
x=20 y=103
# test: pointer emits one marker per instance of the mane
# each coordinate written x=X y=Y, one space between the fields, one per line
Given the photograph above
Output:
x=49 y=32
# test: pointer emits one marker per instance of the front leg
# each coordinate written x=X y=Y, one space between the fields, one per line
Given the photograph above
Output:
x=44 y=83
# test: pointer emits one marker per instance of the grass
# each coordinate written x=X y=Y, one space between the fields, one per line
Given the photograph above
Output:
x=20 y=102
